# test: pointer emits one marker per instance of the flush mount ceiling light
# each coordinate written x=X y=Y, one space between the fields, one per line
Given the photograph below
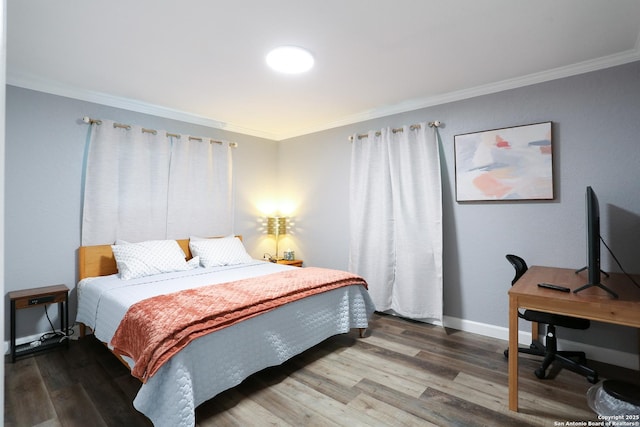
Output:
x=290 y=60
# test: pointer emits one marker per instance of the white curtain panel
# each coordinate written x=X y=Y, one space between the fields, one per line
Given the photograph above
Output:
x=396 y=220
x=125 y=190
x=200 y=193
x=143 y=186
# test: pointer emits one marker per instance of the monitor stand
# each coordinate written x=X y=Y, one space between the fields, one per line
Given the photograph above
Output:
x=599 y=285
x=584 y=268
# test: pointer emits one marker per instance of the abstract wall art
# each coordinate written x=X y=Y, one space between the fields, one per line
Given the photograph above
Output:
x=514 y=163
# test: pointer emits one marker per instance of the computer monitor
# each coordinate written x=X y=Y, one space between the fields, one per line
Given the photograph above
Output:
x=593 y=243
x=593 y=236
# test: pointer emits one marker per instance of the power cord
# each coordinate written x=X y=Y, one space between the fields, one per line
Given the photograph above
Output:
x=53 y=334
x=618 y=262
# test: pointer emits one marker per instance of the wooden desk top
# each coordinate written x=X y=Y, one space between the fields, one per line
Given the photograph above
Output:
x=592 y=303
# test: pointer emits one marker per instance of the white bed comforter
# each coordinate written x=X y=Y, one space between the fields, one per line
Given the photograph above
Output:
x=223 y=359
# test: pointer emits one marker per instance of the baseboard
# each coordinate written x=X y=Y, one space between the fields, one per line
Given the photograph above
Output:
x=600 y=354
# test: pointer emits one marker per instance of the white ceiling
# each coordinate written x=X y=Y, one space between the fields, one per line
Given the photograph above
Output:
x=202 y=61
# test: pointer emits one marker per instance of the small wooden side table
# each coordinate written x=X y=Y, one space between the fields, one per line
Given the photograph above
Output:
x=33 y=297
x=293 y=262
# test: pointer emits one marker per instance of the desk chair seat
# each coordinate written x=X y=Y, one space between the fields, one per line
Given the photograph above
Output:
x=549 y=350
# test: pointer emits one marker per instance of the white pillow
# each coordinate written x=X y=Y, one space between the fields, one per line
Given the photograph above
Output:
x=221 y=251
x=147 y=258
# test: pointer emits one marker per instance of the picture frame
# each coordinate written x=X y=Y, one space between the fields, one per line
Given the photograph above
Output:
x=511 y=163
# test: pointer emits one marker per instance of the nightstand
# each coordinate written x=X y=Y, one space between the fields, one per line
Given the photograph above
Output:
x=34 y=297
x=293 y=262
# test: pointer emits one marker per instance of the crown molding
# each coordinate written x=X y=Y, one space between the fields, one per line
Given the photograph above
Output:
x=528 y=80
x=56 y=88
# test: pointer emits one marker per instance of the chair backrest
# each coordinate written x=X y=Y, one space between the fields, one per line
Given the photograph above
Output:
x=519 y=264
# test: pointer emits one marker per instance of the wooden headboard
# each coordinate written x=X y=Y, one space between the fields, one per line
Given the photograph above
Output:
x=94 y=261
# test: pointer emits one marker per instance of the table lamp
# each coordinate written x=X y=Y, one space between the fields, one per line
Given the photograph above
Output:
x=276 y=225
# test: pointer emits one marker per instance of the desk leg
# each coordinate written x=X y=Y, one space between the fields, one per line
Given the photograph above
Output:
x=513 y=353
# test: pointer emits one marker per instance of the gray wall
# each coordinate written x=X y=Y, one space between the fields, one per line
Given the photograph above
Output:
x=596 y=128
x=596 y=138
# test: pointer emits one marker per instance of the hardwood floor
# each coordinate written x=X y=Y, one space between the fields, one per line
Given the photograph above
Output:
x=401 y=373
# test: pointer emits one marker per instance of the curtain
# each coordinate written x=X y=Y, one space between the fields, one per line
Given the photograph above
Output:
x=200 y=202
x=396 y=219
x=145 y=185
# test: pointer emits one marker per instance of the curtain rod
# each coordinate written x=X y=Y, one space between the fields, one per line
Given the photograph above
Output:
x=90 y=121
x=434 y=124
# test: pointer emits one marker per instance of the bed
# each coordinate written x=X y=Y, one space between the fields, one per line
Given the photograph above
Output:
x=216 y=361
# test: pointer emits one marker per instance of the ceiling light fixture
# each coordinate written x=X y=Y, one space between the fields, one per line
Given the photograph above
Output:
x=290 y=60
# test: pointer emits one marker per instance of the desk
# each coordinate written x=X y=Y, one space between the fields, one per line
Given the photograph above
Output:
x=592 y=303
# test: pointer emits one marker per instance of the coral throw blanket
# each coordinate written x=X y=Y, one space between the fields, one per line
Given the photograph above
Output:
x=154 y=329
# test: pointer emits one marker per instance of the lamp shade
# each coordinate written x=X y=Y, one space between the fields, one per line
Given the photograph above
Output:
x=276 y=225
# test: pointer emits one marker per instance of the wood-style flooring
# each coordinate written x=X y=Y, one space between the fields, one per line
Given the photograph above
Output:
x=401 y=374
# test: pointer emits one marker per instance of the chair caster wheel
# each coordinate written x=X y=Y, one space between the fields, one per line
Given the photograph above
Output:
x=592 y=379
x=539 y=373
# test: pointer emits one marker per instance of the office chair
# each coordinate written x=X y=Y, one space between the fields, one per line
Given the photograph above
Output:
x=549 y=350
